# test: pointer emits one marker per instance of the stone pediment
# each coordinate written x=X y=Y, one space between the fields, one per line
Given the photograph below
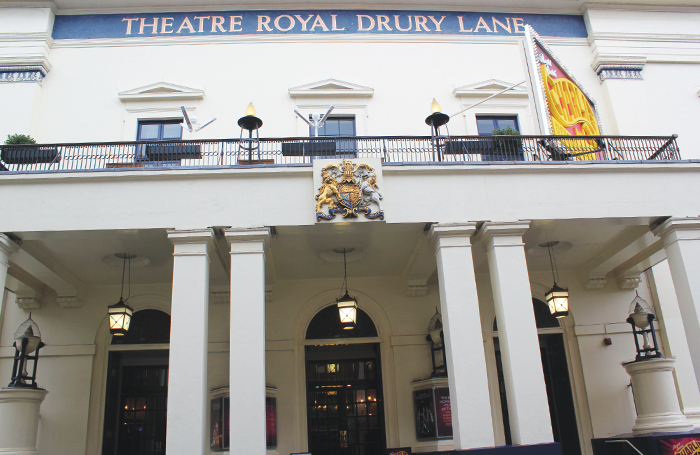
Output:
x=161 y=91
x=490 y=87
x=331 y=88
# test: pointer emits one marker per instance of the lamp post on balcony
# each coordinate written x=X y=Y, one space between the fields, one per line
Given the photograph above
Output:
x=435 y=120
x=250 y=123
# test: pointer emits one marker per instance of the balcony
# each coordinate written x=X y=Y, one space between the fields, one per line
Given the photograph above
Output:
x=302 y=151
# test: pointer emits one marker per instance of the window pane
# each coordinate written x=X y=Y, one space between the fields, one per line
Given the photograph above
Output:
x=347 y=127
x=148 y=132
x=172 y=131
x=485 y=126
x=332 y=128
x=506 y=122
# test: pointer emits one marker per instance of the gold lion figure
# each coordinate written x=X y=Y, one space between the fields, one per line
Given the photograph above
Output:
x=328 y=189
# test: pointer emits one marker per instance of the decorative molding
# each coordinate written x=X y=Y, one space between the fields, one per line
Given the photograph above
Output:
x=331 y=88
x=605 y=74
x=20 y=75
x=629 y=282
x=595 y=283
x=416 y=290
x=609 y=66
x=161 y=91
x=29 y=68
x=220 y=298
x=490 y=87
x=29 y=303
x=68 y=301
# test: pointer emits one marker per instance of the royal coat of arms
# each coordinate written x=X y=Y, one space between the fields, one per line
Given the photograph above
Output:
x=348 y=189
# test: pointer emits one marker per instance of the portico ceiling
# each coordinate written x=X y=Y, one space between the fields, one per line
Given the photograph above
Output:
x=295 y=251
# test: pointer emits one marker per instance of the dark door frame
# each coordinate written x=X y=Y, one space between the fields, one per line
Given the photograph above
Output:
x=118 y=361
x=337 y=353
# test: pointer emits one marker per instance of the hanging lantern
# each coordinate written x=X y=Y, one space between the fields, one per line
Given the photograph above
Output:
x=558 y=301
x=120 y=313
x=557 y=298
x=347 y=305
x=119 y=318
x=347 y=308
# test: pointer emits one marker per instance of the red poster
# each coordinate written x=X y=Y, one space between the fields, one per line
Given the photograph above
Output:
x=271 y=417
x=444 y=412
x=680 y=446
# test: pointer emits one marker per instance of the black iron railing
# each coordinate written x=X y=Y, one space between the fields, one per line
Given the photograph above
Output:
x=235 y=152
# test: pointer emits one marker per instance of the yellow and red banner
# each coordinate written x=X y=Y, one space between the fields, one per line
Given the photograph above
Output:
x=565 y=108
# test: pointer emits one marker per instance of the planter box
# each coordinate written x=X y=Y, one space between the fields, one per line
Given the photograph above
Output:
x=29 y=155
x=309 y=148
x=172 y=152
x=490 y=148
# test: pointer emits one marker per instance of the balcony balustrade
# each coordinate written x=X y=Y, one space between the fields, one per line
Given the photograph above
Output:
x=302 y=151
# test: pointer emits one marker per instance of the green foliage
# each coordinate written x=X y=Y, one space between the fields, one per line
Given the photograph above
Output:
x=507 y=131
x=13 y=139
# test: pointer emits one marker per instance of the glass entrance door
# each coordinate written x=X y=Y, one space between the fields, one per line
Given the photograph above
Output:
x=344 y=406
x=136 y=407
x=143 y=410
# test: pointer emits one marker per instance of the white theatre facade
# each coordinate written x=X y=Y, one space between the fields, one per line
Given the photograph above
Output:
x=237 y=240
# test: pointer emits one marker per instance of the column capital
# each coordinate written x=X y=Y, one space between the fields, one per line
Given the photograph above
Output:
x=7 y=246
x=183 y=236
x=191 y=242
x=452 y=234
x=679 y=229
x=503 y=233
x=248 y=240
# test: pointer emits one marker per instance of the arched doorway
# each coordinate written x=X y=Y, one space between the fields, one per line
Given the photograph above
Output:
x=345 y=412
x=137 y=387
x=557 y=381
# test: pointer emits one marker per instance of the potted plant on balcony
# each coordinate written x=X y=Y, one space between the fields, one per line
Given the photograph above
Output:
x=33 y=154
x=506 y=147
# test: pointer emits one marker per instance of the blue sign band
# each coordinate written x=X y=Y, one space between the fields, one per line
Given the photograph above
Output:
x=141 y=25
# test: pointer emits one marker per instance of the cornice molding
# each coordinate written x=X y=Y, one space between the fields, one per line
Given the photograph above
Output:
x=160 y=91
x=331 y=88
x=491 y=87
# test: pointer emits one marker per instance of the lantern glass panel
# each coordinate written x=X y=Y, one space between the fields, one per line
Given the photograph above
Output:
x=348 y=314
x=558 y=301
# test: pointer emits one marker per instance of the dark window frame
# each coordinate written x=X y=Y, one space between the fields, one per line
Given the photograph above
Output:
x=337 y=118
x=161 y=123
x=495 y=118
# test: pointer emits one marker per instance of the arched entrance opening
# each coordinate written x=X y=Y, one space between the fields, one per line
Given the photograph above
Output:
x=556 y=377
x=345 y=412
x=137 y=387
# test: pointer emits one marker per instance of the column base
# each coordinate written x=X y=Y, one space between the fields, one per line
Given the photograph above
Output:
x=19 y=420
x=693 y=416
x=662 y=423
x=658 y=410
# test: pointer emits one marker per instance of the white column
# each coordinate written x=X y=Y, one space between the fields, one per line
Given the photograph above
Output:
x=464 y=344
x=189 y=343
x=674 y=341
x=247 y=350
x=655 y=397
x=681 y=238
x=19 y=420
x=7 y=248
x=528 y=407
